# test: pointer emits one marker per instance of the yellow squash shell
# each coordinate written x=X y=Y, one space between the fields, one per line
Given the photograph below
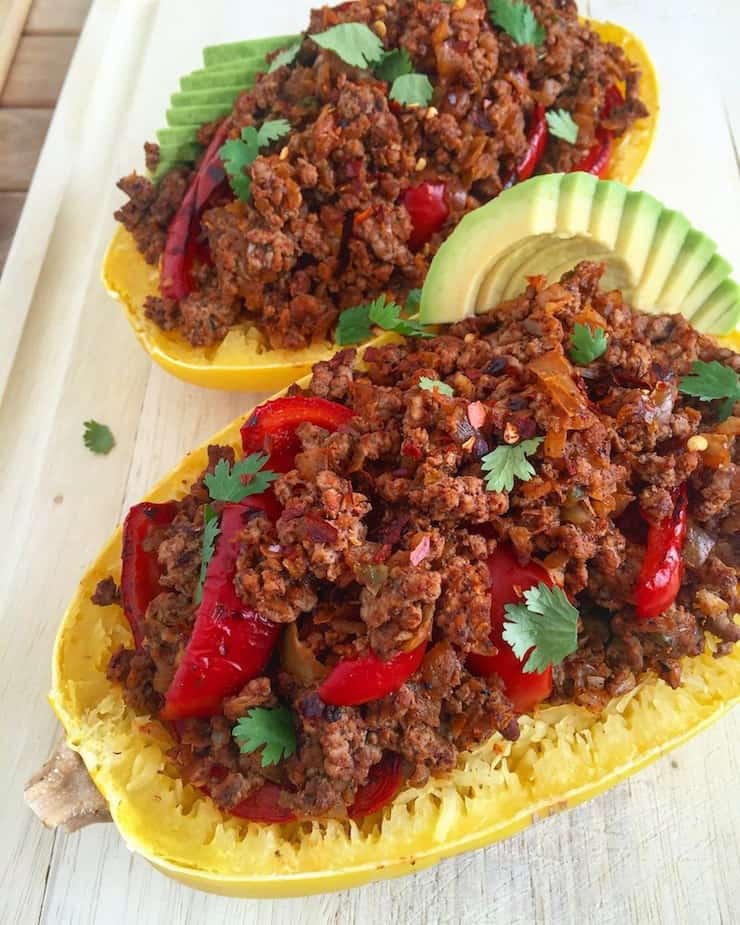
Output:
x=242 y=361
x=564 y=756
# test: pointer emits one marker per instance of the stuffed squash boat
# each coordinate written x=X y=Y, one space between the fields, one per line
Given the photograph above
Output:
x=436 y=590
x=304 y=176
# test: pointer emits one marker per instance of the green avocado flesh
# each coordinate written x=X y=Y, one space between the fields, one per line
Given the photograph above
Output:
x=545 y=226
x=223 y=54
x=217 y=78
x=225 y=94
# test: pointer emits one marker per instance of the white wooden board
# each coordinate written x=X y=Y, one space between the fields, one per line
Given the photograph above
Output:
x=660 y=848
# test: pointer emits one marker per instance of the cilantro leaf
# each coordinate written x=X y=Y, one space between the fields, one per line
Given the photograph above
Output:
x=412 y=90
x=354 y=326
x=435 y=385
x=546 y=627
x=712 y=381
x=413 y=300
x=561 y=125
x=286 y=56
x=356 y=323
x=394 y=64
x=98 y=438
x=506 y=463
x=272 y=131
x=587 y=344
x=247 y=477
x=238 y=154
x=517 y=20
x=211 y=529
x=354 y=42
x=272 y=730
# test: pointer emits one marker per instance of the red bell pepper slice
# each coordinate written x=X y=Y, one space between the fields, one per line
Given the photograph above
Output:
x=427 y=206
x=230 y=643
x=509 y=580
x=383 y=783
x=537 y=142
x=360 y=680
x=271 y=428
x=140 y=570
x=597 y=160
x=662 y=568
x=181 y=245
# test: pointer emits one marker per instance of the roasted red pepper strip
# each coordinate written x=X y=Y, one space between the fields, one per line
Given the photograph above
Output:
x=271 y=428
x=427 y=206
x=383 y=783
x=140 y=571
x=509 y=580
x=662 y=568
x=230 y=643
x=181 y=246
x=537 y=142
x=597 y=160
x=360 y=680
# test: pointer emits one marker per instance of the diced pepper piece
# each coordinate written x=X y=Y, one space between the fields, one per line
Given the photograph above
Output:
x=662 y=568
x=427 y=206
x=360 y=680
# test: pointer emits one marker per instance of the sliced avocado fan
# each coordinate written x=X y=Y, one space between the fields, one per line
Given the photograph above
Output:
x=548 y=224
x=209 y=93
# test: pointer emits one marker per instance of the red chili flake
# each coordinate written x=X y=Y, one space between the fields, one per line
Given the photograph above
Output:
x=410 y=449
x=321 y=531
x=420 y=551
x=477 y=414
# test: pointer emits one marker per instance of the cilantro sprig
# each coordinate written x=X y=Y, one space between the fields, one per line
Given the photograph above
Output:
x=272 y=730
x=506 y=463
x=286 y=56
x=517 y=20
x=436 y=385
x=211 y=530
x=98 y=438
x=354 y=42
x=356 y=323
x=238 y=154
x=561 y=125
x=545 y=626
x=245 y=478
x=712 y=382
x=394 y=64
x=587 y=344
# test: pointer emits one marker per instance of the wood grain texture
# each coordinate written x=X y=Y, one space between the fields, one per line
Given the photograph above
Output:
x=39 y=67
x=13 y=14
x=660 y=848
x=57 y=17
x=11 y=205
x=22 y=133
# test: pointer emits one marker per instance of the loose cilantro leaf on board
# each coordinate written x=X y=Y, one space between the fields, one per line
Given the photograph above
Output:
x=272 y=730
x=211 y=529
x=712 y=381
x=286 y=56
x=412 y=90
x=561 y=125
x=354 y=42
x=517 y=20
x=356 y=323
x=587 y=344
x=435 y=385
x=394 y=64
x=506 y=463
x=247 y=477
x=98 y=438
x=546 y=626
x=238 y=154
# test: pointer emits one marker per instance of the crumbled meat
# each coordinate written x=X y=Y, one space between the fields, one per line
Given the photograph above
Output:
x=106 y=592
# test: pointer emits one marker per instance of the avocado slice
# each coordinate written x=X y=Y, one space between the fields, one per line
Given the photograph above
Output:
x=181 y=135
x=550 y=223
x=210 y=78
x=225 y=94
x=195 y=116
x=233 y=51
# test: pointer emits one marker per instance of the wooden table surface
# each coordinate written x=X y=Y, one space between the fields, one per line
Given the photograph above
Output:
x=37 y=40
x=662 y=847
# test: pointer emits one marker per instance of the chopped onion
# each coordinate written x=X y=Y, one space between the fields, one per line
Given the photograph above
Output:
x=698 y=546
x=297 y=659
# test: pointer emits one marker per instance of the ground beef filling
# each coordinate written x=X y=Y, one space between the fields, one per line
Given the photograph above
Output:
x=336 y=567
x=326 y=227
